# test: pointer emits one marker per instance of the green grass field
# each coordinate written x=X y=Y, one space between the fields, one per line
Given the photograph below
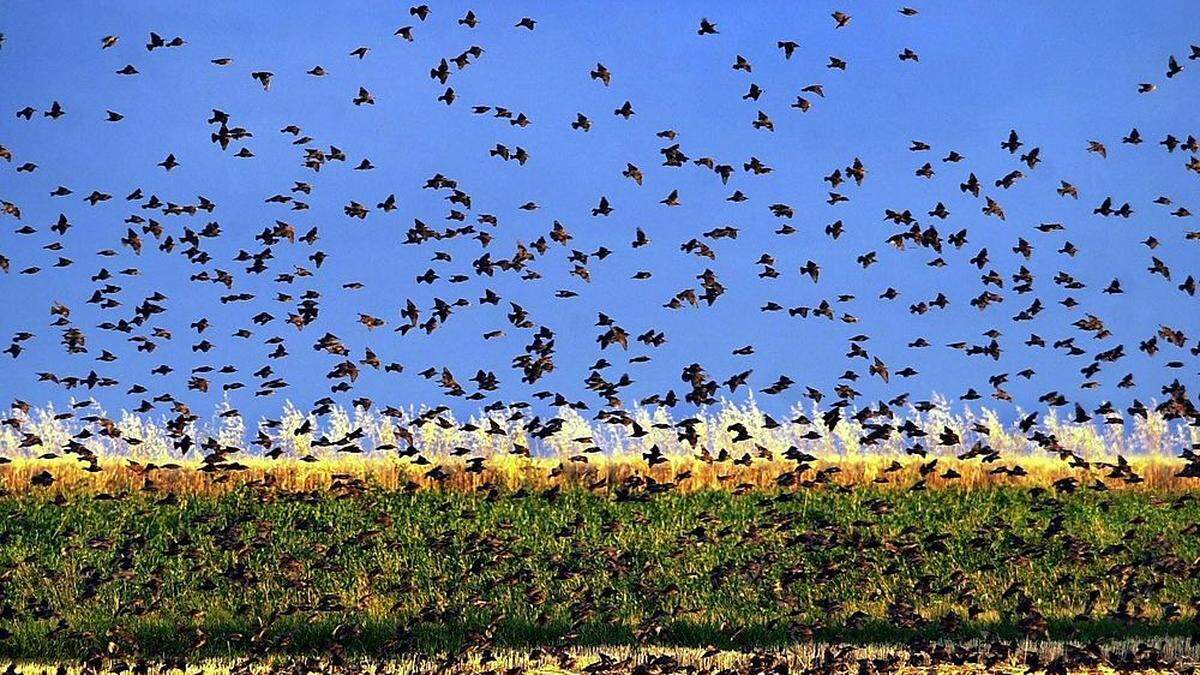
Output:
x=258 y=571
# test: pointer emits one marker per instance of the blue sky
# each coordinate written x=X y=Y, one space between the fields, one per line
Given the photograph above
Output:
x=1060 y=75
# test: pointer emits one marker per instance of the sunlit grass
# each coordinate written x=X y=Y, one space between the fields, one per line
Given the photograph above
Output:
x=600 y=473
x=400 y=450
x=501 y=432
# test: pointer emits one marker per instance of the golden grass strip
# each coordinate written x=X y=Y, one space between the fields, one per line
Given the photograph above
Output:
x=683 y=474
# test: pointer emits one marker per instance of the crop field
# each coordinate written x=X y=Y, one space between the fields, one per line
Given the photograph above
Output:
x=154 y=573
x=479 y=555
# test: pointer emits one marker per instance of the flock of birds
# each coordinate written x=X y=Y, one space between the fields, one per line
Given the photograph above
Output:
x=133 y=328
x=154 y=227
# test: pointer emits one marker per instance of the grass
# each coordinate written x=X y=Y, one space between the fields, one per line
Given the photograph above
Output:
x=415 y=543
x=30 y=432
x=259 y=570
x=600 y=473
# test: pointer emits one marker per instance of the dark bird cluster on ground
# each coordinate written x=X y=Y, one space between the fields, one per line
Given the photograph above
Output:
x=352 y=571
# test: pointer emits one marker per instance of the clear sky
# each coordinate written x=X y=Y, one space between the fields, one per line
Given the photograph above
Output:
x=1061 y=74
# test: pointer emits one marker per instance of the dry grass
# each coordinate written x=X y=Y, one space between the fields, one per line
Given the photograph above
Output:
x=397 y=450
x=682 y=474
x=434 y=433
